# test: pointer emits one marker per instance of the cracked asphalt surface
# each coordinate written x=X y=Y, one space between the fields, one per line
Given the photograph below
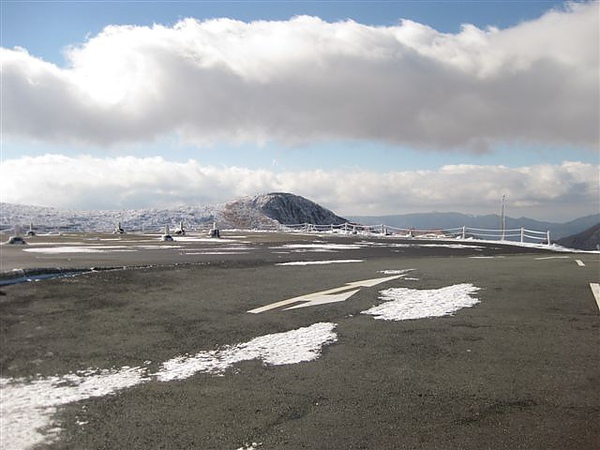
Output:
x=517 y=371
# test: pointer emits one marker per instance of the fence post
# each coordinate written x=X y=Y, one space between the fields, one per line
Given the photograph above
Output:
x=464 y=232
x=548 y=236
x=522 y=234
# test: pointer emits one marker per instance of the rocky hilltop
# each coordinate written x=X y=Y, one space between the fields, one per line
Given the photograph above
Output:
x=265 y=211
x=290 y=209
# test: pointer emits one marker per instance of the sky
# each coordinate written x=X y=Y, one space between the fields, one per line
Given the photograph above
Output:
x=365 y=107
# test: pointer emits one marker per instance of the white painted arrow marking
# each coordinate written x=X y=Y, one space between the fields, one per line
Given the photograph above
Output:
x=323 y=299
x=339 y=294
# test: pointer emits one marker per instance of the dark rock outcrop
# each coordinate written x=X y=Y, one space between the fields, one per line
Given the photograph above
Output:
x=290 y=209
x=586 y=240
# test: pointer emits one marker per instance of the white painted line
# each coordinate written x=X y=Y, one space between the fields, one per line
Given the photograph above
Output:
x=338 y=294
x=580 y=263
x=595 y=287
x=552 y=257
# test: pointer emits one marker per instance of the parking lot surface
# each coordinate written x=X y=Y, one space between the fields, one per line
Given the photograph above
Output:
x=294 y=341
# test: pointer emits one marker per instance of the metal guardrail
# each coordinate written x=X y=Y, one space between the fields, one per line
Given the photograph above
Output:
x=522 y=235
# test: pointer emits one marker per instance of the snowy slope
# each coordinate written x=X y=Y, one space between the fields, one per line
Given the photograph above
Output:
x=54 y=219
x=265 y=211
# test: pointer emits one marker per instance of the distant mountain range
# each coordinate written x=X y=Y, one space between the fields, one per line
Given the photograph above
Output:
x=437 y=221
x=265 y=211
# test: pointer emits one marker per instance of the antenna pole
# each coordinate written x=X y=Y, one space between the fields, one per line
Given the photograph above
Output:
x=503 y=223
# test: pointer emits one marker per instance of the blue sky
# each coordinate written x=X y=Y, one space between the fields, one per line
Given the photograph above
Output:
x=414 y=106
x=45 y=27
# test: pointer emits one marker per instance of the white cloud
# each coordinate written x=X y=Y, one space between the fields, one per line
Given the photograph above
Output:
x=553 y=192
x=306 y=80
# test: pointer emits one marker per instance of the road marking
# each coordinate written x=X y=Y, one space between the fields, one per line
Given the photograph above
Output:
x=335 y=295
x=595 y=287
x=552 y=257
x=580 y=263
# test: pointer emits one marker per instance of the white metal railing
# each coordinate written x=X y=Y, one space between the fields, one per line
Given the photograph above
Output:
x=522 y=235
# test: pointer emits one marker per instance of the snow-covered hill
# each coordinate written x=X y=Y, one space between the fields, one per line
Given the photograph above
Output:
x=265 y=211
x=290 y=209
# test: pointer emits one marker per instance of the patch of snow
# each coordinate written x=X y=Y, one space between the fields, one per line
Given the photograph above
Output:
x=79 y=249
x=291 y=347
x=202 y=239
x=320 y=247
x=37 y=244
x=311 y=263
x=157 y=247
x=223 y=252
x=395 y=271
x=408 y=304
x=252 y=446
x=420 y=244
x=28 y=405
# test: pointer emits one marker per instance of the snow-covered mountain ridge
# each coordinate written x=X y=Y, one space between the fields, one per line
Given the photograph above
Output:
x=264 y=211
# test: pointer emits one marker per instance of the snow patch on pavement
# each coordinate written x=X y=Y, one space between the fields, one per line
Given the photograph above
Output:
x=313 y=263
x=28 y=405
x=408 y=304
x=79 y=249
x=292 y=347
x=395 y=271
x=320 y=247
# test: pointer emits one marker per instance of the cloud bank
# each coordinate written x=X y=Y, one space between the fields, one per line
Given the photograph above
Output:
x=553 y=192
x=306 y=80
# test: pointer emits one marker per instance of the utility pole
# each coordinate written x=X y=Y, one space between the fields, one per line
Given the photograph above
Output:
x=503 y=219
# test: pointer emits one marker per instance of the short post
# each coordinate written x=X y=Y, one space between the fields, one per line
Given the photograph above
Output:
x=548 y=236
x=464 y=232
x=167 y=236
x=522 y=235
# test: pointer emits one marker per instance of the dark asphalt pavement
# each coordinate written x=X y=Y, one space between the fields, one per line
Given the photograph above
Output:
x=519 y=370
